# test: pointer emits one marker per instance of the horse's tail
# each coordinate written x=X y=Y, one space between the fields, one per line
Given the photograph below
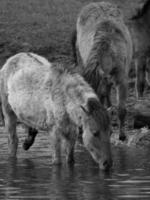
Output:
x=73 y=42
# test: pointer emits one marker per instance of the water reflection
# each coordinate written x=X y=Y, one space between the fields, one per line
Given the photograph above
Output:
x=32 y=176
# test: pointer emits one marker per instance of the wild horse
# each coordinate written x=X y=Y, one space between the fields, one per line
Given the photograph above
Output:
x=45 y=96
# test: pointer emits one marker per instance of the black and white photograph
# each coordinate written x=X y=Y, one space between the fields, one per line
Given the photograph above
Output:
x=74 y=100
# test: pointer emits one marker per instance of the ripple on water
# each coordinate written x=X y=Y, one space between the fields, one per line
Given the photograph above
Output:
x=134 y=181
x=138 y=187
x=133 y=196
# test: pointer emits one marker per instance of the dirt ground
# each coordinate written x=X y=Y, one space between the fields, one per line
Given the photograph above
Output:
x=45 y=27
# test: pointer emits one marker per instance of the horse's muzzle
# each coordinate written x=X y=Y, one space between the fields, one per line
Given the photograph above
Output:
x=105 y=165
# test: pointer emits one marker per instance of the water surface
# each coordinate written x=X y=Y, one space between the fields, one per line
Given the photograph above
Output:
x=31 y=175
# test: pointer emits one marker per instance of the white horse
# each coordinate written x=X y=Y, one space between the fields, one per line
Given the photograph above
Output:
x=45 y=96
x=102 y=46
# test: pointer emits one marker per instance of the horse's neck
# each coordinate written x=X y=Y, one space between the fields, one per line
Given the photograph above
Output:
x=77 y=96
x=75 y=113
x=73 y=96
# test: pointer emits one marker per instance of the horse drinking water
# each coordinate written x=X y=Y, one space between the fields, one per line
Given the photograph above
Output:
x=102 y=46
x=45 y=96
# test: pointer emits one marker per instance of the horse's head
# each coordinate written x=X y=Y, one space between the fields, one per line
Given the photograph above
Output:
x=96 y=133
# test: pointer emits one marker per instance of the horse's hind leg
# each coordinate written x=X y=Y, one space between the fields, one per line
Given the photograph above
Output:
x=140 y=65
x=121 y=98
x=29 y=140
x=10 y=125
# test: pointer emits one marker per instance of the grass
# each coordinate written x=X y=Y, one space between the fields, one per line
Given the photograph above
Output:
x=41 y=26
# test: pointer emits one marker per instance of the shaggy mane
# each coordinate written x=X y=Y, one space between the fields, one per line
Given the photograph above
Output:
x=63 y=68
x=92 y=76
x=101 y=116
x=106 y=32
x=91 y=72
x=99 y=113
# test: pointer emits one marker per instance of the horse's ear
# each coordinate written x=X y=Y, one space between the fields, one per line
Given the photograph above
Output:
x=92 y=105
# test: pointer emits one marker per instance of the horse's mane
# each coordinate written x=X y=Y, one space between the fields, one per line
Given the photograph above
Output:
x=64 y=68
x=93 y=77
x=140 y=12
x=99 y=113
x=106 y=31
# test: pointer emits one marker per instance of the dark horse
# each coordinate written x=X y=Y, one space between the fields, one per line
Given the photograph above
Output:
x=102 y=46
x=139 y=26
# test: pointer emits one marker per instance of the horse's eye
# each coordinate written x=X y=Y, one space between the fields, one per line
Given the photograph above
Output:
x=96 y=134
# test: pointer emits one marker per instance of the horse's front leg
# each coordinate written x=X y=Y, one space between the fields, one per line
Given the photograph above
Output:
x=70 y=139
x=140 y=65
x=55 y=141
x=69 y=151
x=104 y=92
x=121 y=101
x=10 y=126
x=29 y=140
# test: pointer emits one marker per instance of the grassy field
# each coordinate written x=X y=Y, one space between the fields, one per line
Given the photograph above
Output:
x=42 y=26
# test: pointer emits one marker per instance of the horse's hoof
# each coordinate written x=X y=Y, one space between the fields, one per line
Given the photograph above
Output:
x=122 y=138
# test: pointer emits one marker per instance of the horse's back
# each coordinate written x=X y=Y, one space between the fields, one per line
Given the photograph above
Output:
x=25 y=73
x=115 y=41
x=89 y=18
x=94 y=12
